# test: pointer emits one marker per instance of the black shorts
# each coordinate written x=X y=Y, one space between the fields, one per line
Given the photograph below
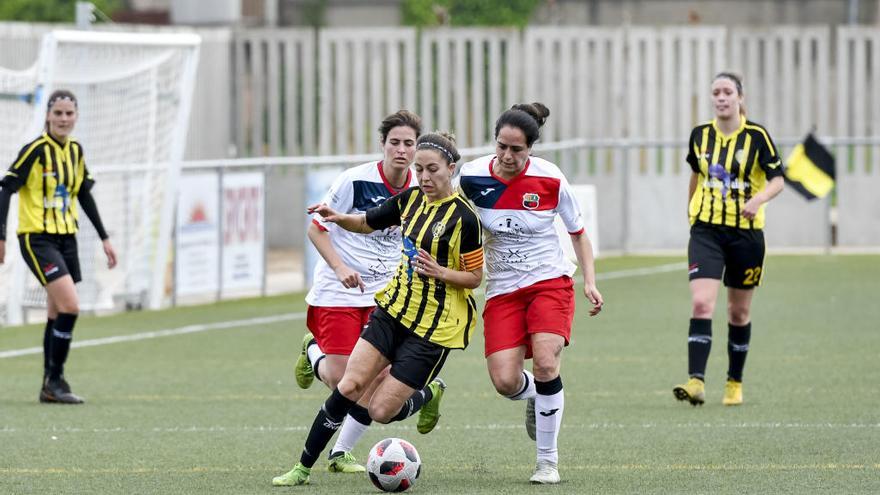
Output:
x=737 y=254
x=50 y=256
x=414 y=360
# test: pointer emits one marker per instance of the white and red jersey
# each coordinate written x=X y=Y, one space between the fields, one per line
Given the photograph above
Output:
x=521 y=246
x=374 y=256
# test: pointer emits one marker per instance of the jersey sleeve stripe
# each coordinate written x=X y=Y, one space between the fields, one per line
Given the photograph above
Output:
x=473 y=260
x=766 y=137
x=24 y=156
x=579 y=232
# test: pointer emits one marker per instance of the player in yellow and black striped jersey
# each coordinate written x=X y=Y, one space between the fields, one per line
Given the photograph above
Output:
x=736 y=171
x=50 y=174
x=449 y=231
x=730 y=170
x=425 y=311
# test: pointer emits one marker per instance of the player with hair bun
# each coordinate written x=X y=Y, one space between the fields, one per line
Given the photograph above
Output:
x=423 y=313
x=352 y=268
x=530 y=293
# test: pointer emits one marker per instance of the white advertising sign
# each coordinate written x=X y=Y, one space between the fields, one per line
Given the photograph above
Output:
x=243 y=224
x=198 y=235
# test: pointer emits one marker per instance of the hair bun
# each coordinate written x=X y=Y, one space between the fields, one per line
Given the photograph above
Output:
x=537 y=110
x=448 y=135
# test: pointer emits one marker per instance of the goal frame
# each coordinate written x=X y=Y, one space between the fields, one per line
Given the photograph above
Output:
x=45 y=85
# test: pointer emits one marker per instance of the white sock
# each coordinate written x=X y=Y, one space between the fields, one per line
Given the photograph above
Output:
x=528 y=388
x=548 y=418
x=315 y=354
x=351 y=431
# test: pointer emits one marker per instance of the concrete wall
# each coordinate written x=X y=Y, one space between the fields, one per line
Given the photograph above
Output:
x=714 y=12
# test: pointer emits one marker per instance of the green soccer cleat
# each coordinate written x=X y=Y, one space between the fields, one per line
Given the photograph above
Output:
x=733 y=393
x=693 y=391
x=303 y=371
x=344 y=462
x=429 y=415
x=299 y=475
x=530 y=419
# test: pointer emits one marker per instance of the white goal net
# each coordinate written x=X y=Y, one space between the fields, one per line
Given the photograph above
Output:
x=134 y=94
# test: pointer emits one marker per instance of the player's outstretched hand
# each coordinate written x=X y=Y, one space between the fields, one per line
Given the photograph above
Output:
x=327 y=213
x=595 y=297
x=110 y=252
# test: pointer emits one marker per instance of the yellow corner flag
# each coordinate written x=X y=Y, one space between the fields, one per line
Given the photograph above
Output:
x=810 y=169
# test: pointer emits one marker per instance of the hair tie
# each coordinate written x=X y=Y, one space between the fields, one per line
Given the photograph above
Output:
x=60 y=97
x=428 y=144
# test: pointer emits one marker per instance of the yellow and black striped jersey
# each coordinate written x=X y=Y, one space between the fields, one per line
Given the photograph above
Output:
x=450 y=231
x=731 y=170
x=49 y=176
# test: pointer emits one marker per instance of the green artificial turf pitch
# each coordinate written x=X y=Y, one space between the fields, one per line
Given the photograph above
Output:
x=217 y=410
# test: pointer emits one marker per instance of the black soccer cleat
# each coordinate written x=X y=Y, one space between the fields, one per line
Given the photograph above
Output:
x=58 y=392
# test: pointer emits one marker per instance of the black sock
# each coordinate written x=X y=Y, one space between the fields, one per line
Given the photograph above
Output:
x=737 y=349
x=327 y=421
x=360 y=414
x=699 y=345
x=47 y=345
x=62 y=334
x=412 y=405
x=552 y=387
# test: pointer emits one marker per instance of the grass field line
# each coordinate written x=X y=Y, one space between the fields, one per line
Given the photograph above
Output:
x=636 y=272
x=163 y=333
x=458 y=468
x=641 y=272
x=405 y=427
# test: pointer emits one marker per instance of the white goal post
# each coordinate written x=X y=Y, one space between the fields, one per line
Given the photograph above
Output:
x=134 y=94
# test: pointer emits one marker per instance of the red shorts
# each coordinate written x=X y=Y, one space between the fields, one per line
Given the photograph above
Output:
x=545 y=307
x=336 y=329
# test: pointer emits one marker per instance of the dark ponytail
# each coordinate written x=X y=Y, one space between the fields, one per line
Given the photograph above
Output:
x=527 y=117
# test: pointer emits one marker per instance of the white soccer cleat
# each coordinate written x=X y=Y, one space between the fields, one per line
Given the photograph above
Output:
x=545 y=473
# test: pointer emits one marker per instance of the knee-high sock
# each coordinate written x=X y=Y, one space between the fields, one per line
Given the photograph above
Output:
x=47 y=345
x=353 y=428
x=62 y=334
x=738 y=338
x=549 y=405
x=527 y=391
x=327 y=421
x=315 y=355
x=699 y=345
x=412 y=405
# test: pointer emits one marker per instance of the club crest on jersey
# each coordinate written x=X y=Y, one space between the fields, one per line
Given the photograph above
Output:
x=438 y=228
x=531 y=201
x=740 y=156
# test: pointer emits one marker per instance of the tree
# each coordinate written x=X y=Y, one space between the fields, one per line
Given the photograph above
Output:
x=50 y=10
x=468 y=12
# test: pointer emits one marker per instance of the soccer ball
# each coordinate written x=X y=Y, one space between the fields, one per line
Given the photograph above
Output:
x=393 y=465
